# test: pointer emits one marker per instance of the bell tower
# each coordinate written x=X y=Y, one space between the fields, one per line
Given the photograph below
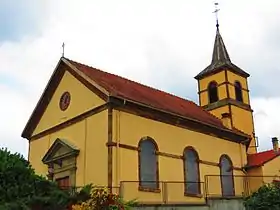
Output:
x=223 y=90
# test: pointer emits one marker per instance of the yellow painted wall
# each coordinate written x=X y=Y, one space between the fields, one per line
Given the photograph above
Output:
x=218 y=111
x=204 y=98
x=239 y=180
x=255 y=178
x=245 y=94
x=90 y=136
x=264 y=174
x=233 y=77
x=243 y=81
x=219 y=78
x=171 y=140
x=203 y=85
x=37 y=150
x=271 y=170
x=79 y=93
x=243 y=120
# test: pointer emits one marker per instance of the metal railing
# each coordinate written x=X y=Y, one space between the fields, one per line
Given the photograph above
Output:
x=242 y=185
x=237 y=186
x=165 y=192
x=177 y=192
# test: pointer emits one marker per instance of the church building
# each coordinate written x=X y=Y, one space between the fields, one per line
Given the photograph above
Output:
x=91 y=126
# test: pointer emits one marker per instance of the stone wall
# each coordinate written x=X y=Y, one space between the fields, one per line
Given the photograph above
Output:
x=219 y=204
x=172 y=207
x=232 y=204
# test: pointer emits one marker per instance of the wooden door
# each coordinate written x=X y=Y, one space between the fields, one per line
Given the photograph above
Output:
x=64 y=182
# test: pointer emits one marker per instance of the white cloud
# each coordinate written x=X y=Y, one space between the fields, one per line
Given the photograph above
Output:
x=266 y=114
x=12 y=119
x=144 y=40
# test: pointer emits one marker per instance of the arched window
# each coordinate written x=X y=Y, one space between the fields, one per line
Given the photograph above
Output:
x=226 y=171
x=148 y=164
x=191 y=171
x=238 y=91
x=213 y=92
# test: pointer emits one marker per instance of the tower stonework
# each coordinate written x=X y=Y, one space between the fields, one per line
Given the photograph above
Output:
x=223 y=89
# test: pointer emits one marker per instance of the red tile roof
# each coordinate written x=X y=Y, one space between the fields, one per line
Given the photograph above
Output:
x=261 y=158
x=130 y=90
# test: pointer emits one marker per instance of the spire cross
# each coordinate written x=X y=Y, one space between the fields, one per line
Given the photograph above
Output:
x=216 y=12
x=63 y=46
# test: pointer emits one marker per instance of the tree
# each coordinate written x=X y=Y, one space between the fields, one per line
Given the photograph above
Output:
x=266 y=198
x=21 y=188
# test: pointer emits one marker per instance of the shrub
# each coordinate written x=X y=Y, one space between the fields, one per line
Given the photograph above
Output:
x=102 y=198
x=266 y=198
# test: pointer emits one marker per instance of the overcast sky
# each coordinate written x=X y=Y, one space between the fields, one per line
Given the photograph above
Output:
x=162 y=43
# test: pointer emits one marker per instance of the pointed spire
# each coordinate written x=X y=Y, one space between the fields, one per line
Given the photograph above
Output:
x=220 y=54
x=220 y=59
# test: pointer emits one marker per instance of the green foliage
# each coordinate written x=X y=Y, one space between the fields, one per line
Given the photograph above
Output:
x=103 y=198
x=22 y=189
x=266 y=198
x=15 y=176
x=80 y=196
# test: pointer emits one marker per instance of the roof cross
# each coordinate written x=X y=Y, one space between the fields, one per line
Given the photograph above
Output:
x=216 y=12
x=63 y=46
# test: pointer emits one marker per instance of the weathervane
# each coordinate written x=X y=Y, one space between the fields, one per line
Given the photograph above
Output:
x=63 y=46
x=216 y=12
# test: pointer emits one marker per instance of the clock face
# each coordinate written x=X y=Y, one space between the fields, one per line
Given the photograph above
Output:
x=64 y=101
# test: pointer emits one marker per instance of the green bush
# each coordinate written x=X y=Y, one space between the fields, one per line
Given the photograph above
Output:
x=22 y=189
x=266 y=198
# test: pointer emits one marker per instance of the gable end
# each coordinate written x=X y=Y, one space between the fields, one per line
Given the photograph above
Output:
x=48 y=93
